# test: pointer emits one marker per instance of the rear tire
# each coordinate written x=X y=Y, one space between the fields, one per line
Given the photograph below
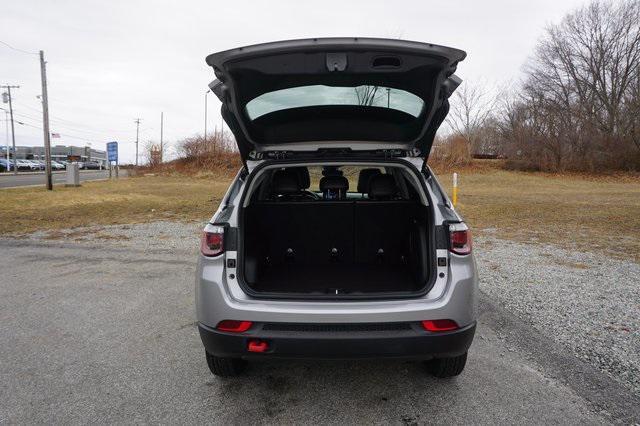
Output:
x=225 y=367
x=447 y=367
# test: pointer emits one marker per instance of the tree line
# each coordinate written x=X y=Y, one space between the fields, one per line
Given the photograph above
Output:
x=577 y=106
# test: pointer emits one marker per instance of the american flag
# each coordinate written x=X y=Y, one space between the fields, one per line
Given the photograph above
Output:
x=55 y=135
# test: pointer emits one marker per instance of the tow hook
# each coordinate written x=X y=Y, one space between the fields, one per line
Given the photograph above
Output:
x=259 y=346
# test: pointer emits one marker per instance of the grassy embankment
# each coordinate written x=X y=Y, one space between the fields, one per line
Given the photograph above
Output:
x=595 y=213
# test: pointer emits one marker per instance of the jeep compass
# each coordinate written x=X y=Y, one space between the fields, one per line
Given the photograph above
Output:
x=335 y=239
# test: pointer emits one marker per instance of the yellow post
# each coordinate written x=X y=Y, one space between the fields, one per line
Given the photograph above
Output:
x=455 y=189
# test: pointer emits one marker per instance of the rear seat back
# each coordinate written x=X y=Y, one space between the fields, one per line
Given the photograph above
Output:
x=314 y=232
x=320 y=232
x=382 y=229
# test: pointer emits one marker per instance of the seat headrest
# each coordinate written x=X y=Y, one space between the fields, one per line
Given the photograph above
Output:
x=285 y=182
x=364 y=177
x=382 y=187
x=337 y=183
x=334 y=187
x=303 y=176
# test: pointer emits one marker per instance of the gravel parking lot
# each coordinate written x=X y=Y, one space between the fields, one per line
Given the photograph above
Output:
x=587 y=302
x=99 y=327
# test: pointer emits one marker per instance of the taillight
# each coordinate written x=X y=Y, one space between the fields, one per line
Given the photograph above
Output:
x=459 y=239
x=212 y=243
x=234 y=326
x=440 y=325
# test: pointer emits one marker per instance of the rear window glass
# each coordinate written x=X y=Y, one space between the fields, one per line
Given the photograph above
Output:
x=319 y=95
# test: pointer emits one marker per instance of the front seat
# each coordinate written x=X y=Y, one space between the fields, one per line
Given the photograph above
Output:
x=365 y=177
x=285 y=186
x=383 y=187
x=305 y=182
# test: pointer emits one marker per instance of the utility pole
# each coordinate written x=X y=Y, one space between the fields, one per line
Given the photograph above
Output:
x=45 y=121
x=161 y=134
x=13 y=133
x=137 y=121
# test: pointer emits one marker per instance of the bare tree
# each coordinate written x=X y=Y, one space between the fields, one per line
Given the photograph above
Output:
x=579 y=106
x=472 y=106
x=368 y=95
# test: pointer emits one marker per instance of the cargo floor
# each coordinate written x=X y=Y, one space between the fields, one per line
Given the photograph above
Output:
x=325 y=279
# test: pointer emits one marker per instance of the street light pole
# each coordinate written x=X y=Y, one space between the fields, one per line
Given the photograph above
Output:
x=161 y=135
x=13 y=132
x=137 y=121
x=6 y=126
x=206 y=104
x=6 y=137
x=205 y=114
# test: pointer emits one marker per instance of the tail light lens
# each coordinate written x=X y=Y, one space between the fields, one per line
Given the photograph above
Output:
x=212 y=243
x=459 y=239
x=234 y=326
x=440 y=325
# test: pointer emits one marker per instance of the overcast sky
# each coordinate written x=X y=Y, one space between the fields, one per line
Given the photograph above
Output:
x=110 y=62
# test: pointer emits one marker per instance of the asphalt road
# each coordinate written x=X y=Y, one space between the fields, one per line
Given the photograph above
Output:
x=101 y=334
x=8 y=180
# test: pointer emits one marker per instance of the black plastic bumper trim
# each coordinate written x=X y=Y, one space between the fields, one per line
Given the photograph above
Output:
x=413 y=344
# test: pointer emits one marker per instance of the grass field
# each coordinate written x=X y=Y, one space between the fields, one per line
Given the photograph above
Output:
x=131 y=200
x=600 y=214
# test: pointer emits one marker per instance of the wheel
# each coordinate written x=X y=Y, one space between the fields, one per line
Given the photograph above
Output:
x=447 y=367
x=225 y=367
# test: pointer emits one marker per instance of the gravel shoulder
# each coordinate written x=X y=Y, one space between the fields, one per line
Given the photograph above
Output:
x=587 y=302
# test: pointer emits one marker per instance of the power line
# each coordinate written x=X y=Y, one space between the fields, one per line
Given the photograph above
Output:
x=18 y=50
x=91 y=133
x=63 y=127
x=77 y=125
x=65 y=134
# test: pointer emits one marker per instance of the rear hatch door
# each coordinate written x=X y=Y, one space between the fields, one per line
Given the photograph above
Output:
x=354 y=94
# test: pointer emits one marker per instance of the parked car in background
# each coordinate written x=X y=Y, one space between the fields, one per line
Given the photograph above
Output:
x=57 y=166
x=91 y=165
x=6 y=165
x=27 y=165
x=38 y=164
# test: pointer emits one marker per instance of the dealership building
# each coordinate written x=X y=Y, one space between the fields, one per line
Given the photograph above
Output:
x=59 y=152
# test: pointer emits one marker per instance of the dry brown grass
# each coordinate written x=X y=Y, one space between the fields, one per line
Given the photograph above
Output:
x=132 y=200
x=594 y=213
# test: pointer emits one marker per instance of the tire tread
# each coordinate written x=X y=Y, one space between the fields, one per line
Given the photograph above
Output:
x=447 y=367
x=225 y=367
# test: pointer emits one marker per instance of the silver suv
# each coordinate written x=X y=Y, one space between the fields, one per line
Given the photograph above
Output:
x=335 y=240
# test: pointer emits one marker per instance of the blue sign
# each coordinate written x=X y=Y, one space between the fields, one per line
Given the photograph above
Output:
x=112 y=151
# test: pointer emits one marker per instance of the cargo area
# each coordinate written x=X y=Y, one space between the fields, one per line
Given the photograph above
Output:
x=332 y=242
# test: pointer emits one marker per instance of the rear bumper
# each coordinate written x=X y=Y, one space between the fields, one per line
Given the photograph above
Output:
x=413 y=343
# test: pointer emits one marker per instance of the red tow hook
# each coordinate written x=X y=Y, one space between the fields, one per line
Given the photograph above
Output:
x=257 y=346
